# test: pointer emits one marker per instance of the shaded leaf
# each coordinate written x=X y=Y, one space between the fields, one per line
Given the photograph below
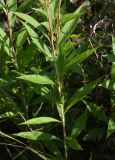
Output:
x=96 y=111
x=73 y=143
x=94 y=133
x=38 y=41
x=79 y=58
x=79 y=124
x=81 y=93
x=25 y=5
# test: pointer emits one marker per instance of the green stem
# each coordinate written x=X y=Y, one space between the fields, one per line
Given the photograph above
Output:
x=59 y=81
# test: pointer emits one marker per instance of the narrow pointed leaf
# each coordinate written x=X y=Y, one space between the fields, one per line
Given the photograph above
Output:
x=38 y=79
x=38 y=41
x=73 y=143
x=41 y=120
x=25 y=5
x=37 y=136
x=4 y=39
x=69 y=26
x=79 y=124
x=79 y=58
x=28 y=19
x=81 y=93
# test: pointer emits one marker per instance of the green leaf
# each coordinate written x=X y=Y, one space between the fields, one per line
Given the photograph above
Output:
x=79 y=58
x=113 y=44
x=96 y=111
x=79 y=124
x=111 y=126
x=113 y=71
x=12 y=6
x=69 y=26
x=37 y=136
x=113 y=64
x=111 y=57
x=53 y=7
x=28 y=19
x=81 y=93
x=21 y=38
x=8 y=115
x=41 y=120
x=94 y=133
x=67 y=17
x=26 y=55
x=73 y=143
x=53 y=148
x=25 y=5
x=6 y=42
x=38 y=41
x=108 y=84
x=38 y=79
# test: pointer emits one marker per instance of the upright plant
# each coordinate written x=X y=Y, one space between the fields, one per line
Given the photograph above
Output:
x=38 y=55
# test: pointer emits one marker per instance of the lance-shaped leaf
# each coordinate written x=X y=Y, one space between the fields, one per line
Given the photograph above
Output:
x=73 y=143
x=37 y=136
x=79 y=125
x=38 y=79
x=12 y=5
x=28 y=19
x=38 y=41
x=6 y=42
x=81 y=93
x=21 y=38
x=25 y=5
x=69 y=26
x=41 y=120
x=79 y=58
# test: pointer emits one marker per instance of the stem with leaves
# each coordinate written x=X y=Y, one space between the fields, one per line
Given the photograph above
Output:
x=59 y=81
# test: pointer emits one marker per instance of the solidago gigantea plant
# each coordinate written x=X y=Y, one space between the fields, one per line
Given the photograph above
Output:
x=38 y=56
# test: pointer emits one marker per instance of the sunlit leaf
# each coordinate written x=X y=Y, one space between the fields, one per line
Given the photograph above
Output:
x=41 y=120
x=37 y=136
x=28 y=19
x=38 y=79
x=111 y=126
x=108 y=84
x=69 y=26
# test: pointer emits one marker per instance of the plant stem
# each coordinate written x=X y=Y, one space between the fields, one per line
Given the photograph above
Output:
x=59 y=81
